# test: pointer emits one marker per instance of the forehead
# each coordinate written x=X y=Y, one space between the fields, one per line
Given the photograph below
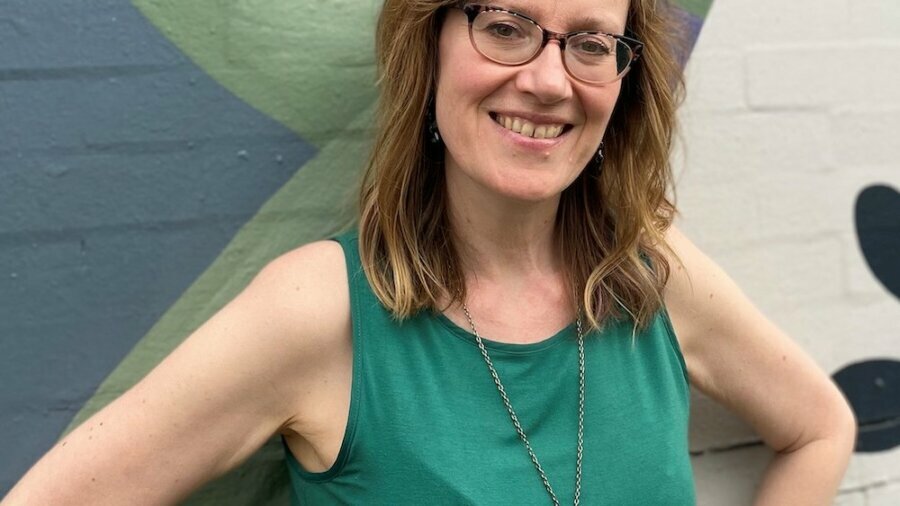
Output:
x=571 y=15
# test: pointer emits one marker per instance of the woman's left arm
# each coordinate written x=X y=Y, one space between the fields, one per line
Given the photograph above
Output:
x=740 y=359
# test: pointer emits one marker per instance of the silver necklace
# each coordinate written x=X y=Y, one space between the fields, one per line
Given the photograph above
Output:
x=515 y=419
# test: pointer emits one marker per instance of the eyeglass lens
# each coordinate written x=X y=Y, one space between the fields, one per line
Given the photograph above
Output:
x=512 y=40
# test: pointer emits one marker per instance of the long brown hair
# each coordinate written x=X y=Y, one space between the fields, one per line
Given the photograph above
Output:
x=607 y=229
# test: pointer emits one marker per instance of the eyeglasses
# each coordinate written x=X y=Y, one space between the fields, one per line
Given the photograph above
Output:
x=510 y=38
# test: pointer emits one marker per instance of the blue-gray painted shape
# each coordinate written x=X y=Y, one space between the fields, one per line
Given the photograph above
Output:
x=877 y=218
x=124 y=171
x=873 y=389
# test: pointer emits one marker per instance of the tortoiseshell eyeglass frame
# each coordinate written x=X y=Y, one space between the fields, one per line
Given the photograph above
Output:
x=473 y=10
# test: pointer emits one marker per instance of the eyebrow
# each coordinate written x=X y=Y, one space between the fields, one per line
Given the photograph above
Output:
x=587 y=23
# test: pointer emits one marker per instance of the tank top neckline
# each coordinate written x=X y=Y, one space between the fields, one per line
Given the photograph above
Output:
x=510 y=348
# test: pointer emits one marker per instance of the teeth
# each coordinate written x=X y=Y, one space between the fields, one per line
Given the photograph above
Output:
x=527 y=128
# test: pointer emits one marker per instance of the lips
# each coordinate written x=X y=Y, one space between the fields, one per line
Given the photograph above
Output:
x=531 y=127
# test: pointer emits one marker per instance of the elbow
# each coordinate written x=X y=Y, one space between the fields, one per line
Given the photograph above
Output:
x=843 y=430
x=837 y=429
x=850 y=426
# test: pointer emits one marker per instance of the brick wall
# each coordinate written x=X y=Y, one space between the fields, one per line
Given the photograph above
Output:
x=793 y=109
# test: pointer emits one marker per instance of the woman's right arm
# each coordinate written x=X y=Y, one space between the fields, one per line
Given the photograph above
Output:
x=243 y=376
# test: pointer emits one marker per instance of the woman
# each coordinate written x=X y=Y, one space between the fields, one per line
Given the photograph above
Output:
x=517 y=191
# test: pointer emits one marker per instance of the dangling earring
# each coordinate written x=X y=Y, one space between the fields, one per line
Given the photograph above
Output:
x=598 y=161
x=433 y=135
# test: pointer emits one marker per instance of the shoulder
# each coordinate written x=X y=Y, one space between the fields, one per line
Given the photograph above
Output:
x=325 y=257
x=702 y=301
x=316 y=266
x=307 y=288
x=723 y=336
x=295 y=312
x=686 y=264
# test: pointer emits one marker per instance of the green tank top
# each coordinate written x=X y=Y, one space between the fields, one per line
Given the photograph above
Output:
x=427 y=425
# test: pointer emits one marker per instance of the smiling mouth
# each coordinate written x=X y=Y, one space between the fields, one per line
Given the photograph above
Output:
x=529 y=129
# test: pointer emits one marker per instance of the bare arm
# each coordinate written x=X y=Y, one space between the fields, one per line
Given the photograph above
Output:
x=739 y=358
x=232 y=384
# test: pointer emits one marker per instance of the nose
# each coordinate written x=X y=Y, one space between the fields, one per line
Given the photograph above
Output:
x=546 y=77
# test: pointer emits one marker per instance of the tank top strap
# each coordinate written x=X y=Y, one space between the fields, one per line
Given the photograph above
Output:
x=349 y=241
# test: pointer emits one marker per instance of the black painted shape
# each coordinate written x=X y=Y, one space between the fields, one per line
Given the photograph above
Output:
x=873 y=389
x=124 y=171
x=878 y=230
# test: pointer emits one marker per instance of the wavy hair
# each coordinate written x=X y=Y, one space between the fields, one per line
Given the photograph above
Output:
x=609 y=230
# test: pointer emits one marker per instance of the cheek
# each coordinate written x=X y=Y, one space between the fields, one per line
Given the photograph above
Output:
x=598 y=104
x=460 y=94
x=452 y=92
x=603 y=103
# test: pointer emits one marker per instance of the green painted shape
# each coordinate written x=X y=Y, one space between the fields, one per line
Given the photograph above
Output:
x=317 y=202
x=699 y=8
x=308 y=65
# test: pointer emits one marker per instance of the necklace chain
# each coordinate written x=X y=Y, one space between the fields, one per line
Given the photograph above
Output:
x=515 y=419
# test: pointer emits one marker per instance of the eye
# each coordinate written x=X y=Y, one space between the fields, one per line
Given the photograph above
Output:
x=504 y=30
x=592 y=47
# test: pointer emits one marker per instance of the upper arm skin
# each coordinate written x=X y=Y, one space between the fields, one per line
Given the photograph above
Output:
x=740 y=359
x=219 y=396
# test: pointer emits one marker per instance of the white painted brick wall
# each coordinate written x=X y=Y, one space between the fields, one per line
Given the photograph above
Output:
x=883 y=494
x=793 y=108
x=855 y=498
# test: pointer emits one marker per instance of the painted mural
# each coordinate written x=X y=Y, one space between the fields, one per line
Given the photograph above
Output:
x=873 y=386
x=155 y=154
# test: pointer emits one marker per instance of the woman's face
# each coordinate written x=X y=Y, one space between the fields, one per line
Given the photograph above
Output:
x=474 y=94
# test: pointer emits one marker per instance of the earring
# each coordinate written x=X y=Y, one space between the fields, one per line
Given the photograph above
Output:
x=433 y=135
x=598 y=160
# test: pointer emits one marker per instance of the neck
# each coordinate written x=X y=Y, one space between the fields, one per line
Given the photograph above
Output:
x=502 y=240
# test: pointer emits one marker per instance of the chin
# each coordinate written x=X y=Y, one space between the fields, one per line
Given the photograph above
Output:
x=538 y=192
x=524 y=184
